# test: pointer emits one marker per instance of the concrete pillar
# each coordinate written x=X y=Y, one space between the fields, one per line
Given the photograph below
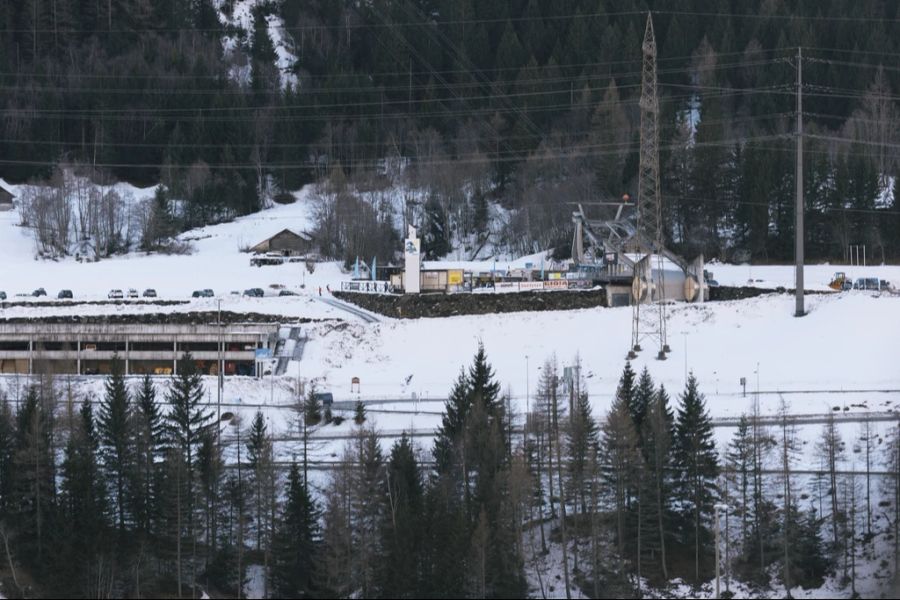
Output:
x=78 y=356
x=127 y=372
x=175 y=356
x=31 y=356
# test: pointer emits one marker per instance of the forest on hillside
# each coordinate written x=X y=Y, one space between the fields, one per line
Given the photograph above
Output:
x=488 y=120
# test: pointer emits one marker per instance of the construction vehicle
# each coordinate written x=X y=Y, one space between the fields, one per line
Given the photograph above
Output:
x=840 y=282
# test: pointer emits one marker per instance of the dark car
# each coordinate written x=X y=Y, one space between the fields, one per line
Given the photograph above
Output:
x=64 y=294
x=287 y=293
x=149 y=293
x=254 y=292
x=2 y=295
x=208 y=293
x=39 y=292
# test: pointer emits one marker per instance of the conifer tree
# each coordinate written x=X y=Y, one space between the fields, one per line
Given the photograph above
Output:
x=642 y=398
x=34 y=489
x=185 y=423
x=148 y=439
x=84 y=507
x=359 y=416
x=698 y=468
x=400 y=568
x=297 y=544
x=7 y=457
x=621 y=459
x=659 y=433
x=115 y=434
x=260 y=456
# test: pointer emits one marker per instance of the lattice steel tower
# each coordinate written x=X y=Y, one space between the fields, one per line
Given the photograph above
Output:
x=649 y=321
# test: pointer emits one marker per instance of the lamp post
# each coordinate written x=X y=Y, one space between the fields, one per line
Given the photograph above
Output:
x=219 y=366
x=527 y=401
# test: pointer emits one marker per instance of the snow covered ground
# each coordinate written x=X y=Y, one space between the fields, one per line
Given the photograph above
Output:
x=841 y=357
x=848 y=341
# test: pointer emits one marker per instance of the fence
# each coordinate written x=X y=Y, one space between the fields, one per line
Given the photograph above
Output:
x=367 y=287
x=498 y=287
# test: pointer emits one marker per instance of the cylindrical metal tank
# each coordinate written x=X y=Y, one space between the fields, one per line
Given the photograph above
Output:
x=675 y=284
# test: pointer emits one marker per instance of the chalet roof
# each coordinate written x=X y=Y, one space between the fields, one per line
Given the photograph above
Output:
x=300 y=234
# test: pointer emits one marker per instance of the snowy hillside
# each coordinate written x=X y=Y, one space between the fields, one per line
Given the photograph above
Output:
x=236 y=45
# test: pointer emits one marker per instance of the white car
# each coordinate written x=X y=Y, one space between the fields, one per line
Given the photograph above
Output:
x=115 y=295
x=133 y=293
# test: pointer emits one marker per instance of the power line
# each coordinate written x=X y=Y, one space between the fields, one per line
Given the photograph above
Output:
x=303 y=145
x=462 y=159
x=68 y=75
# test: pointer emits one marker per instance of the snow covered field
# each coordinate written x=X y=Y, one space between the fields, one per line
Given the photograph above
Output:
x=848 y=341
x=841 y=358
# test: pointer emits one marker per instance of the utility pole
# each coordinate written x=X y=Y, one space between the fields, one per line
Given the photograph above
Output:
x=798 y=226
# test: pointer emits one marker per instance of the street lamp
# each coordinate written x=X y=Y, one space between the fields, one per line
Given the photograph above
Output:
x=527 y=402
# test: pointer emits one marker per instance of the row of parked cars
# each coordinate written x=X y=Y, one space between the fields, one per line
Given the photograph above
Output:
x=117 y=294
x=250 y=293
x=40 y=292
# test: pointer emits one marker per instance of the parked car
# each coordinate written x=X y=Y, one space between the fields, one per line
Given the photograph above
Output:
x=133 y=293
x=867 y=283
x=2 y=295
x=197 y=294
x=208 y=293
x=115 y=294
x=64 y=294
x=39 y=292
x=254 y=292
x=287 y=293
x=149 y=293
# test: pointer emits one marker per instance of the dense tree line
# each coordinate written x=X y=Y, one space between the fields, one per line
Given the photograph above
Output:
x=473 y=107
x=120 y=498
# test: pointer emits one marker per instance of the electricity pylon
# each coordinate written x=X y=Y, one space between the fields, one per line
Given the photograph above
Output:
x=649 y=321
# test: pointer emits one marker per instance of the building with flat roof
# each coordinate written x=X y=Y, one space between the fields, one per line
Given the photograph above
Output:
x=88 y=348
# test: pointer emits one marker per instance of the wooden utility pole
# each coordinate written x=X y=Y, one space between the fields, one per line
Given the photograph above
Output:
x=798 y=226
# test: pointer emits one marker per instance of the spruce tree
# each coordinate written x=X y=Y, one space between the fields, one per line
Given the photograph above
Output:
x=185 y=423
x=697 y=468
x=7 y=456
x=400 y=568
x=811 y=564
x=359 y=416
x=312 y=407
x=84 y=508
x=148 y=439
x=620 y=461
x=659 y=433
x=447 y=439
x=642 y=398
x=298 y=544
x=34 y=488
x=260 y=457
x=115 y=435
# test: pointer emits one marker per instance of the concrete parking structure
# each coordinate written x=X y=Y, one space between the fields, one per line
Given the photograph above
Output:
x=88 y=348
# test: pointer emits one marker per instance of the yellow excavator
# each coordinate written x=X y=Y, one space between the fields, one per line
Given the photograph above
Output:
x=840 y=282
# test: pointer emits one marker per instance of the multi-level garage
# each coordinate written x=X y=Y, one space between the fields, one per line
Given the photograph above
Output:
x=88 y=348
